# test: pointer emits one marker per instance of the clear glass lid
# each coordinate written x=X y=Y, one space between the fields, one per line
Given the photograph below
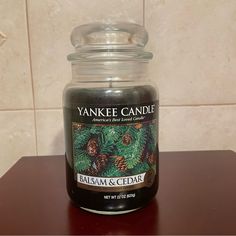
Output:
x=102 y=42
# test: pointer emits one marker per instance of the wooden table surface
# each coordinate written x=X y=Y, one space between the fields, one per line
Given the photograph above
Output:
x=197 y=195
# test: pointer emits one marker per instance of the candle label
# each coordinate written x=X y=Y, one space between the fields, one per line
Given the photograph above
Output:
x=115 y=148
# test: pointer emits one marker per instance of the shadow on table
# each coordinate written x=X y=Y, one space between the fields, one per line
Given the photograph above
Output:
x=143 y=221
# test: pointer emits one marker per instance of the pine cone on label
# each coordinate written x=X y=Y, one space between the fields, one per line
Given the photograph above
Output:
x=127 y=139
x=91 y=171
x=138 y=125
x=92 y=147
x=151 y=158
x=98 y=165
x=143 y=155
x=120 y=163
x=101 y=162
x=77 y=126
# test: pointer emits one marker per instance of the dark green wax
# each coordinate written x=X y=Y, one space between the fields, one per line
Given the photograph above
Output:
x=104 y=97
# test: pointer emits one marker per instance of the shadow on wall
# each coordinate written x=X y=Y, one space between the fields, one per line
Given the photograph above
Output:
x=58 y=144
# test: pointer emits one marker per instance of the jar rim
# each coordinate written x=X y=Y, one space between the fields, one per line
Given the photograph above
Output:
x=110 y=56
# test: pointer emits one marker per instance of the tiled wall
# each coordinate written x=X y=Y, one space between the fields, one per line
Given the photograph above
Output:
x=194 y=65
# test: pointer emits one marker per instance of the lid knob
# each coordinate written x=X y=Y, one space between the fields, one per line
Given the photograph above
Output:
x=118 y=34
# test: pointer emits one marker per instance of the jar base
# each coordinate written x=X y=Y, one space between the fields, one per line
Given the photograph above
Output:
x=109 y=212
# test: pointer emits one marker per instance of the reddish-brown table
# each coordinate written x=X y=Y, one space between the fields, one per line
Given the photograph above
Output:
x=197 y=195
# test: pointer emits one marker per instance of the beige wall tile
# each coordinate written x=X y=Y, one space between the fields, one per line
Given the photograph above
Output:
x=51 y=23
x=50 y=135
x=198 y=128
x=181 y=129
x=17 y=137
x=195 y=51
x=15 y=83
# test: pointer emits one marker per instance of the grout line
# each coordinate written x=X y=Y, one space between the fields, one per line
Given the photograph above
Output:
x=17 y=109
x=31 y=75
x=32 y=109
x=144 y=13
x=59 y=109
x=199 y=105
x=49 y=109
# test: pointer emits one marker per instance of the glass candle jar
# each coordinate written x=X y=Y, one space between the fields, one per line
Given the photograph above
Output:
x=111 y=120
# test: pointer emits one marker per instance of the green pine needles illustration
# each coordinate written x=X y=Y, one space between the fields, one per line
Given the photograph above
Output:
x=114 y=151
